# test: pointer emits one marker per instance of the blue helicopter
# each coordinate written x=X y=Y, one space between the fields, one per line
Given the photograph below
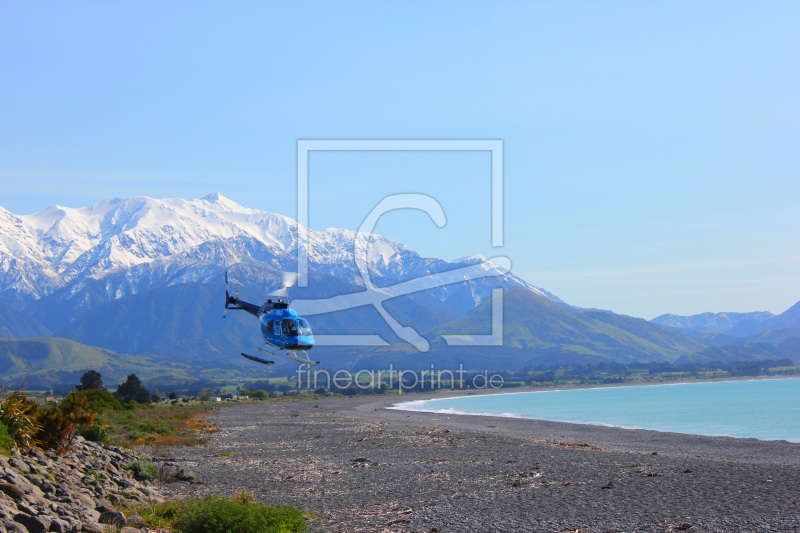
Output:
x=284 y=331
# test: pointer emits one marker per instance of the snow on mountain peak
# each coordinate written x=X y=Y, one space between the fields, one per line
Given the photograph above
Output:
x=142 y=242
x=470 y=259
x=221 y=202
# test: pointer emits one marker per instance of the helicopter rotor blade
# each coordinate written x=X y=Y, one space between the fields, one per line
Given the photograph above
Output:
x=289 y=281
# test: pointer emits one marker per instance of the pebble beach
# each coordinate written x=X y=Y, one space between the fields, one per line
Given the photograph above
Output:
x=356 y=465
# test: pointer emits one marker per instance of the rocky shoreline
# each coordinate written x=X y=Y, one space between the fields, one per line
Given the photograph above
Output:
x=357 y=466
x=80 y=491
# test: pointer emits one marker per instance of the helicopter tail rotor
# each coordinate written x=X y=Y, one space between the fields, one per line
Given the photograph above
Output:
x=227 y=296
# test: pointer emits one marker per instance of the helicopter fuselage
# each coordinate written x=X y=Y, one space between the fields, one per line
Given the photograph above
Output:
x=282 y=328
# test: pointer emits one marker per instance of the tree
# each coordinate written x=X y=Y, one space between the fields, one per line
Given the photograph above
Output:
x=133 y=391
x=90 y=380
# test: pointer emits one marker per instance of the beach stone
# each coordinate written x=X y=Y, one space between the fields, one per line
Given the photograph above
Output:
x=14 y=527
x=22 y=466
x=25 y=508
x=90 y=515
x=14 y=492
x=34 y=524
x=185 y=475
x=39 y=454
x=135 y=521
x=92 y=527
x=86 y=500
x=60 y=526
x=114 y=518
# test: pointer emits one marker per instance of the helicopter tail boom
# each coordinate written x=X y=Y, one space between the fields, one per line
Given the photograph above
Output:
x=233 y=302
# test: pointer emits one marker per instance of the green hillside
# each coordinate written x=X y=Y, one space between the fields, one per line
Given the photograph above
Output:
x=532 y=322
x=17 y=323
x=47 y=361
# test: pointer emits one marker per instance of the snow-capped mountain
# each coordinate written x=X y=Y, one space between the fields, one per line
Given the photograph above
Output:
x=144 y=276
x=120 y=247
x=737 y=324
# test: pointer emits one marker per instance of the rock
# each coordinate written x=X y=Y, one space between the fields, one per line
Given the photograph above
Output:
x=92 y=527
x=60 y=526
x=185 y=475
x=20 y=465
x=34 y=524
x=90 y=515
x=114 y=518
x=14 y=527
x=86 y=500
x=136 y=521
x=79 y=491
x=12 y=491
x=26 y=509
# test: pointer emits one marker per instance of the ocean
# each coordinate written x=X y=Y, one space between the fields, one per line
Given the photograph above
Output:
x=766 y=409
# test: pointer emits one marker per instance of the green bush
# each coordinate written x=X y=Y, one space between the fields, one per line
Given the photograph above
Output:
x=143 y=470
x=215 y=514
x=6 y=443
x=96 y=433
x=101 y=400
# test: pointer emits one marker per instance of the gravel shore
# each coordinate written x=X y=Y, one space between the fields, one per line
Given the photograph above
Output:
x=357 y=466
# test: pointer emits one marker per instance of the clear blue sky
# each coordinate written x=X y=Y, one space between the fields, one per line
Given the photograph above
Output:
x=652 y=149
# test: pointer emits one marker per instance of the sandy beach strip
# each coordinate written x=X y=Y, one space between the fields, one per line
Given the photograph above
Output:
x=357 y=466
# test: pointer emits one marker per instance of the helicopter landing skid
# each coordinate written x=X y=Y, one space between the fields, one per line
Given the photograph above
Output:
x=300 y=356
x=258 y=359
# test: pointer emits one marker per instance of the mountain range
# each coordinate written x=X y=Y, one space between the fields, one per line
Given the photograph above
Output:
x=144 y=277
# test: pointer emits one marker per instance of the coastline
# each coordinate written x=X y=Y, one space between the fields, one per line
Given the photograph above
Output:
x=670 y=425
x=357 y=466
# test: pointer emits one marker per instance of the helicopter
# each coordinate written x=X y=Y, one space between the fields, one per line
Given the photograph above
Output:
x=283 y=331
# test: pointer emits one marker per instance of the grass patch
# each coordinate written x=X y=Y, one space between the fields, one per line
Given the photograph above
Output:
x=159 y=425
x=6 y=442
x=213 y=514
x=225 y=454
x=143 y=470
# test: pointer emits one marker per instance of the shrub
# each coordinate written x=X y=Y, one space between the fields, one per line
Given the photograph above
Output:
x=19 y=417
x=96 y=433
x=6 y=443
x=101 y=400
x=60 y=424
x=143 y=470
x=215 y=514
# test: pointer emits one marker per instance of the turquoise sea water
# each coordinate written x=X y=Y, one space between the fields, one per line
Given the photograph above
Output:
x=766 y=409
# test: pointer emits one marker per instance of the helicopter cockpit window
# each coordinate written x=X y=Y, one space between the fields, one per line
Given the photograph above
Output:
x=303 y=327
x=268 y=326
x=289 y=327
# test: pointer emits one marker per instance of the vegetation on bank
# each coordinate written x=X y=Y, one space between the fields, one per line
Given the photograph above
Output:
x=129 y=417
x=237 y=514
x=313 y=383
